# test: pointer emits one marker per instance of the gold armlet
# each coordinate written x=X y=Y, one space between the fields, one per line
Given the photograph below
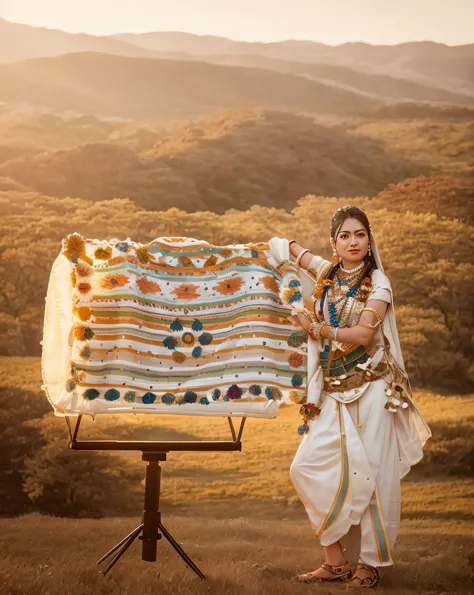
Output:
x=377 y=315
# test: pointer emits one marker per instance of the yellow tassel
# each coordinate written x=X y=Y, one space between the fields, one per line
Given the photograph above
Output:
x=287 y=293
x=87 y=259
x=79 y=333
x=142 y=254
x=83 y=313
x=75 y=244
x=103 y=253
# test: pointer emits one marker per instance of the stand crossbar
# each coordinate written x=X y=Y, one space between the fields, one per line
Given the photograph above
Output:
x=151 y=529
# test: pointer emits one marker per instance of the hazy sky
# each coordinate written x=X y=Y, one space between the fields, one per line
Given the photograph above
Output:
x=328 y=21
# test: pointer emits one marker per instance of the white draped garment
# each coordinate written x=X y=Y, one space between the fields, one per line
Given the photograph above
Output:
x=348 y=467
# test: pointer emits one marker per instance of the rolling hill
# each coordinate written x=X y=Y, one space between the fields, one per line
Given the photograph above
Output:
x=142 y=88
x=234 y=159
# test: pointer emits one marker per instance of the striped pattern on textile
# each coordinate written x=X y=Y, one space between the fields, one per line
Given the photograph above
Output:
x=174 y=326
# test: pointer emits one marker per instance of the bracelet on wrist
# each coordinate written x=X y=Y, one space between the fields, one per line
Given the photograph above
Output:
x=315 y=329
x=302 y=253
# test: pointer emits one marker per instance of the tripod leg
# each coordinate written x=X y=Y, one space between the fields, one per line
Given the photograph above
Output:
x=116 y=547
x=180 y=551
x=121 y=552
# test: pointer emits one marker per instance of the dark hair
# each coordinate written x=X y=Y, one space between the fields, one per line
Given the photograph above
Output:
x=337 y=220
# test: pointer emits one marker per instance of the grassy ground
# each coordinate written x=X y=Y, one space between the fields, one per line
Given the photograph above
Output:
x=243 y=555
x=220 y=506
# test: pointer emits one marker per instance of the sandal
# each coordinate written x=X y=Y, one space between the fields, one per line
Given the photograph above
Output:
x=337 y=573
x=367 y=581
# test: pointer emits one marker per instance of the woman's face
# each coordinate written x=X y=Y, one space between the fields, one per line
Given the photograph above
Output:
x=352 y=242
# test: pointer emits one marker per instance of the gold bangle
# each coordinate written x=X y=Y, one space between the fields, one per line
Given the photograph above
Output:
x=314 y=330
x=298 y=258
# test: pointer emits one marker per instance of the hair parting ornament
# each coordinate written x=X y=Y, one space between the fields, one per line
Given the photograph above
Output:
x=345 y=209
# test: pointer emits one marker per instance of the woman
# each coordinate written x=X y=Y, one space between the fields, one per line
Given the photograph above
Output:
x=362 y=431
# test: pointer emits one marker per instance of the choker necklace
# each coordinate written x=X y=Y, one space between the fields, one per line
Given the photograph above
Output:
x=357 y=268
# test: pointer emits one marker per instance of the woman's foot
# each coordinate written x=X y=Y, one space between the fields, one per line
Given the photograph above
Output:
x=327 y=572
x=364 y=576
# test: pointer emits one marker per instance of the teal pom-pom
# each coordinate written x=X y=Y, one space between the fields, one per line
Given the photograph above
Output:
x=130 y=396
x=296 y=297
x=297 y=380
x=268 y=393
x=196 y=352
x=302 y=429
x=204 y=401
x=122 y=246
x=88 y=332
x=86 y=352
x=170 y=342
x=254 y=253
x=216 y=393
x=294 y=283
x=197 y=325
x=176 y=325
x=148 y=398
x=91 y=393
x=112 y=394
x=70 y=386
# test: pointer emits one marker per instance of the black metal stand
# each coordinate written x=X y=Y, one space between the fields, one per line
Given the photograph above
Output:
x=151 y=529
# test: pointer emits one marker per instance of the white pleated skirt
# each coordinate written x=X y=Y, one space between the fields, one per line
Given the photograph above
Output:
x=346 y=472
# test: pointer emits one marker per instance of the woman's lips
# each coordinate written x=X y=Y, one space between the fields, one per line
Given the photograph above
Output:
x=354 y=250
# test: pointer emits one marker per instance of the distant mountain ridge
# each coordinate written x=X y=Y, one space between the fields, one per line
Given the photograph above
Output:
x=427 y=62
x=20 y=42
x=443 y=67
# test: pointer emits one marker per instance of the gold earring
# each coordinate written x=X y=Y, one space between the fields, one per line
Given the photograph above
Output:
x=334 y=257
x=369 y=250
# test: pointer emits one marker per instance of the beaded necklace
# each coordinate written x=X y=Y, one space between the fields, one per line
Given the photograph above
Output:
x=341 y=296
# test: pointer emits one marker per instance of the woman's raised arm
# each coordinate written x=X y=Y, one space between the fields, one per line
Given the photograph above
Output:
x=296 y=249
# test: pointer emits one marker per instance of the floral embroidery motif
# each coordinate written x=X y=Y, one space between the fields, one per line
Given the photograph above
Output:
x=229 y=286
x=186 y=291
x=113 y=281
x=270 y=283
x=147 y=286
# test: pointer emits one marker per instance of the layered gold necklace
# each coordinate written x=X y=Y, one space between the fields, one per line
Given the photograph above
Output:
x=343 y=293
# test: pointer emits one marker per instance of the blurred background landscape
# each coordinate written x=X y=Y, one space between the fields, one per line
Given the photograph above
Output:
x=143 y=135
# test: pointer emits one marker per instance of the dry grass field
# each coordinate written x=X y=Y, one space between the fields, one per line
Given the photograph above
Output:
x=220 y=507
